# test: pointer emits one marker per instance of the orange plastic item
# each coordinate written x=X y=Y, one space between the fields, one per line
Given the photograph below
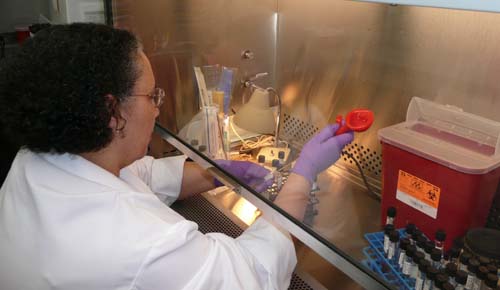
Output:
x=357 y=120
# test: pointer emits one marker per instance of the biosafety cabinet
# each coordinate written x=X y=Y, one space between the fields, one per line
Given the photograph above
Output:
x=307 y=63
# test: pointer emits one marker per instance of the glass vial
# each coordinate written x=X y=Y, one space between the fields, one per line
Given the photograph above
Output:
x=472 y=269
x=431 y=275
x=460 y=280
x=451 y=270
x=440 y=237
x=403 y=245
x=387 y=231
x=436 y=256
x=464 y=261
x=391 y=214
x=422 y=273
x=393 y=251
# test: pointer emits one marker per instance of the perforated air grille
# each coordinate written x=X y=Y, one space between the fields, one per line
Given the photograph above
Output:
x=298 y=130
x=210 y=219
x=369 y=159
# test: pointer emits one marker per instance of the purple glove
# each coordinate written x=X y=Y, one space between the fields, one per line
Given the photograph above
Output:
x=321 y=152
x=250 y=173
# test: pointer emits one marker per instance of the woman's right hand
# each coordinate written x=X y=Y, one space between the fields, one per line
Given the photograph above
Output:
x=322 y=151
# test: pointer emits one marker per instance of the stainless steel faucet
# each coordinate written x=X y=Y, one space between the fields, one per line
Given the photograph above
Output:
x=249 y=83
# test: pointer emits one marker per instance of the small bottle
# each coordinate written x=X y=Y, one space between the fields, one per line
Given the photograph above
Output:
x=472 y=269
x=392 y=252
x=451 y=270
x=410 y=228
x=423 y=265
x=482 y=276
x=431 y=275
x=464 y=261
x=391 y=214
x=448 y=286
x=403 y=245
x=491 y=282
x=414 y=236
x=440 y=238
x=421 y=241
x=492 y=269
x=419 y=256
x=454 y=253
x=460 y=280
x=484 y=261
x=407 y=267
x=387 y=231
x=440 y=280
x=429 y=246
x=436 y=256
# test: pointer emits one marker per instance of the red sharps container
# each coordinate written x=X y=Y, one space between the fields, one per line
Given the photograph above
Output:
x=440 y=168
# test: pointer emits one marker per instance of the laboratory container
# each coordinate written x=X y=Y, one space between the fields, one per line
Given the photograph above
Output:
x=440 y=168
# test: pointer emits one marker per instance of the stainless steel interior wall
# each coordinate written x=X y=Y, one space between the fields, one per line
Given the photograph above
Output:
x=178 y=35
x=334 y=55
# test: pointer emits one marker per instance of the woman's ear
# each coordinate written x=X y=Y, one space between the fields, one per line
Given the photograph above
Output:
x=116 y=122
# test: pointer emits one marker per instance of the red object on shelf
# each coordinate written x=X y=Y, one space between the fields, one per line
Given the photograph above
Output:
x=440 y=169
x=464 y=201
x=357 y=120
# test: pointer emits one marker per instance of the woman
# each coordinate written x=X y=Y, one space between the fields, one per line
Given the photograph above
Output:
x=82 y=206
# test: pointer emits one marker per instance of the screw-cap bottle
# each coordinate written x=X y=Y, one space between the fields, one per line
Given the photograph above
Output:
x=436 y=255
x=482 y=272
x=440 y=280
x=410 y=228
x=454 y=252
x=391 y=212
x=394 y=236
x=465 y=257
x=429 y=246
x=473 y=266
x=461 y=277
x=432 y=272
x=491 y=281
x=440 y=235
x=451 y=269
x=388 y=229
x=418 y=257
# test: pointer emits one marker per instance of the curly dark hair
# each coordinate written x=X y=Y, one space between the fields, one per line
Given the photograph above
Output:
x=53 y=92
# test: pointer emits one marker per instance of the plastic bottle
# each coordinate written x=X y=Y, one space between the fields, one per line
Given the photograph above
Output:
x=464 y=261
x=472 y=269
x=451 y=270
x=410 y=228
x=387 y=231
x=403 y=245
x=440 y=238
x=440 y=280
x=454 y=253
x=460 y=279
x=491 y=282
x=448 y=286
x=428 y=247
x=431 y=275
x=482 y=276
x=422 y=273
x=436 y=256
x=393 y=251
x=407 y=264
x=391 y=214
x=421 y=241
x=484 y=261
x=419 y=256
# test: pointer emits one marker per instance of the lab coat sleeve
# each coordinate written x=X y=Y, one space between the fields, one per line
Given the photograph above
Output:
x=163 y=175
x=261 y=258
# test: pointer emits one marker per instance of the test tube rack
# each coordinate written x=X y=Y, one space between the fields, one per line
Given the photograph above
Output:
x=377 y=262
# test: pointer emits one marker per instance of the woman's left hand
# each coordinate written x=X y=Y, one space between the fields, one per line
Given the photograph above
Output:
x=250 y=173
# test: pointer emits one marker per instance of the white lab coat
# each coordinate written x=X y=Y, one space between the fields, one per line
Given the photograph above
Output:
x=68 y=224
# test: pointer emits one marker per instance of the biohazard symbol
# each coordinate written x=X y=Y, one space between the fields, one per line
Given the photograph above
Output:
x=431 y=195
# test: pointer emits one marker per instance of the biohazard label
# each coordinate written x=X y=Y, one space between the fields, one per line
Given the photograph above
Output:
x=418 y=193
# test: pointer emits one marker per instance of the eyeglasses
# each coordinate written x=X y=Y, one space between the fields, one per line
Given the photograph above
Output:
x=157 y=96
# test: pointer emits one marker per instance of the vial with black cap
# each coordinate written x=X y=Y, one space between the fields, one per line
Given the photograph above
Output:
x=440 y=238
x=392 y=252
x=421 y=240
x=472 y=269
x=428 y=247
x=491 y=282
x=403 y=245
x=454 y=253
x=391 y=214
x=407 y=264
x=422 y=274
x=430 y=277
x=440 y=280
x=451 y=270
x=387 y=231
x=482 y=275
x=409 y=229
x=464 y=261
x=460 y=280
x=436 y=256
x=417 y=257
